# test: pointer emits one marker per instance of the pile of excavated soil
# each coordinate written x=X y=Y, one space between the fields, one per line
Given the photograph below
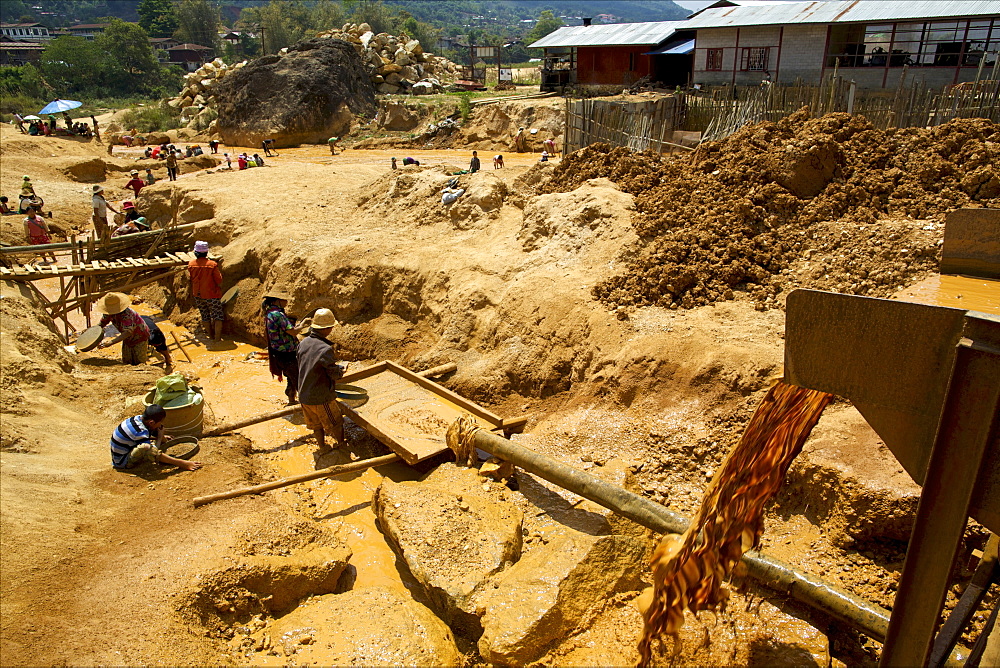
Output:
x=304 y=96
x=739 y=212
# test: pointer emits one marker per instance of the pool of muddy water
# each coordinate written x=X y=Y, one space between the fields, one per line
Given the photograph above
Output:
x=965 y=292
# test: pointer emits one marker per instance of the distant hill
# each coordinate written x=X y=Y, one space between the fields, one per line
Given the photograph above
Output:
x=484 y=14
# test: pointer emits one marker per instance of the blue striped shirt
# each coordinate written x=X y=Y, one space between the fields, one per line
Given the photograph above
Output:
x=126 y=437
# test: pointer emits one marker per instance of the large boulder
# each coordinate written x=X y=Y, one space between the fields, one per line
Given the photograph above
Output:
x=375 y=626
x=397 y=116
x=304 y=96
x=550 y=591
x=453 y=535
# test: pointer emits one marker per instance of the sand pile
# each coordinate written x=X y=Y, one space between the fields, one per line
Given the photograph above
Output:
x=306 y=95
x=741 y=211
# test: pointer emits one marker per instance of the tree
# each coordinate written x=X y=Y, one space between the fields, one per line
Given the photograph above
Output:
x=547 y=22
x=131 y=64
x=71 y=64
x=158 y=17
x=198 y=23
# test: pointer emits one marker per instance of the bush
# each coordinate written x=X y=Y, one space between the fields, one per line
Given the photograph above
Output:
x=157 y=118
x=465 y=106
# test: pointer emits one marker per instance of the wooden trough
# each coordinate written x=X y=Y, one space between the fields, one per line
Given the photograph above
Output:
x=410 y=413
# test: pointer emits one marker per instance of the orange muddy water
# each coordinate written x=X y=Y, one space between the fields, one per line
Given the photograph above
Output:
x=964 y=292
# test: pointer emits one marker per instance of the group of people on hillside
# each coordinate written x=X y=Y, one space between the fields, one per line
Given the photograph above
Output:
x=46 y=128
x=244 y=161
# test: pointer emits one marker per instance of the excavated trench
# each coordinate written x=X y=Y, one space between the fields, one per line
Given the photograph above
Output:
x=435 y=565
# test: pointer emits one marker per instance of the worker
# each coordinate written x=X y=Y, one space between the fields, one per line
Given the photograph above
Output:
x=171 y=166
x=101 y=206
x=474 y=164
x=281 y=342
x=150 y=179
x=140 y=438
x=498 y=161
x=38 y=233
x=158 y=342
x=318 y=374
x=135 y=184
x=206 y=286
x=333 y=141
x=519 y=141
x=266 y=145
x=394 y=164
x=133 y=332
x=550 y=146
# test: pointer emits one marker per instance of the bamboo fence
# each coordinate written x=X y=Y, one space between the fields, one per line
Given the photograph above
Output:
x=719 y=112
x=639 y=126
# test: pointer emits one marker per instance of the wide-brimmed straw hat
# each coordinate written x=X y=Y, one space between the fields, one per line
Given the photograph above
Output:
x=98 y=189
x=134 y=172
x=277 y=294
x=323 y=319
x=113 y=303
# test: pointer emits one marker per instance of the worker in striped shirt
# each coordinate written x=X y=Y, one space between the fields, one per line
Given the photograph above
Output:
x=139 y=438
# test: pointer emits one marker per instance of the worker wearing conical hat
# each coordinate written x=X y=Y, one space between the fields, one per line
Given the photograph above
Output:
x=318 y=374
x=133 y=332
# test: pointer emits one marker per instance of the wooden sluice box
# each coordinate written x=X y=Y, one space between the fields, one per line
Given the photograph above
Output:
x=410 y=413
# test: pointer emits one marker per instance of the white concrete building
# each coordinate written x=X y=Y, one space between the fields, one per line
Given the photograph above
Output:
x=941 y=42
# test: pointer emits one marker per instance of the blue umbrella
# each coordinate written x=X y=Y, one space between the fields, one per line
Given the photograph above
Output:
x=56 y=106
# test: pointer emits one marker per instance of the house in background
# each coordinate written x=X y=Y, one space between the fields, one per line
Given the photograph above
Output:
x=24 y=32
x=616 y=54
x=87 y=30
x=20 y=53
x=941 y=42
x=189 y=56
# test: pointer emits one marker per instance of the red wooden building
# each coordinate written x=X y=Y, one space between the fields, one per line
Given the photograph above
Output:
x=614 y=54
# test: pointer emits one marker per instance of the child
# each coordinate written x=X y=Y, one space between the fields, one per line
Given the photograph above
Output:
x=37 y=232
x=229 y=161
x=4 y=209
x=259 y=160
x=150 y=179
x=498 y=162
x=394 y=164
x=545 y=156
x=138 y=439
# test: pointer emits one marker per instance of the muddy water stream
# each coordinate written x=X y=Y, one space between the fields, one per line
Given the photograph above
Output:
x=964 y=292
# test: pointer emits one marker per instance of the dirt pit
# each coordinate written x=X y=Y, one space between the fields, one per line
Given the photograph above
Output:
x=647 y=397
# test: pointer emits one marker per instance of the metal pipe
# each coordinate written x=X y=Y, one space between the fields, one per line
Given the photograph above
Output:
x=865 y=616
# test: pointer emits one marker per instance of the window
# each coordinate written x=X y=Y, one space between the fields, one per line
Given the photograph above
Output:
x=755 y=59
x=924 y=44
x=713 y=60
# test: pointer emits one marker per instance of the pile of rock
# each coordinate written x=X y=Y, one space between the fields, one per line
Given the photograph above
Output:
x=397 y=64
x=197 y=100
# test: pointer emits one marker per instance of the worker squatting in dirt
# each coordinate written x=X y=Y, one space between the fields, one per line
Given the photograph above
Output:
x=141 y=438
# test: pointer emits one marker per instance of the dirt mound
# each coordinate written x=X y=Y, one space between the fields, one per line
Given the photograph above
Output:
x=781 y=181
x=493 y=126
x=305 y=96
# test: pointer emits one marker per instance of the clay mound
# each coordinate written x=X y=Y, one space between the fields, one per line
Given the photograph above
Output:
x=414 y=194
x=743 y=209
x=493 y=126
x=571 y=222
x=305 y=96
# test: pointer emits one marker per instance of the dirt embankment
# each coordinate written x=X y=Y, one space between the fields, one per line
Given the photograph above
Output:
x=740 y=213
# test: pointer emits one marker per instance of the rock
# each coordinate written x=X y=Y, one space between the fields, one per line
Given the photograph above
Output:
x=548 y=593
x=413 y=47
x=451 y=552
x=495 y=469
x=409 y=72
x=397 y=116
x=366 y=38
x=271 y=584
x=388 y=88
x=305 y=97
x=393 y=78
x=375 y=626
x=422 y=88
x=363 y=28
x=402 y=58
x=391 y=68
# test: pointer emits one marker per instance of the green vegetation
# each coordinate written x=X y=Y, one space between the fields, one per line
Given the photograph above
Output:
x=465 y=106
x=546 y=23
x=154 y=118
x=158 y=17
x=198 y=23
x=118 y=62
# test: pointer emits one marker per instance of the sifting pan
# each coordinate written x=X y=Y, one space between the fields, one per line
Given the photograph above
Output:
x=90 y=338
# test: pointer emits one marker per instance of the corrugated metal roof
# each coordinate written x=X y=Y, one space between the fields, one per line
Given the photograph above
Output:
x=683 y=48
x=841 y=11
x=613 y=34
